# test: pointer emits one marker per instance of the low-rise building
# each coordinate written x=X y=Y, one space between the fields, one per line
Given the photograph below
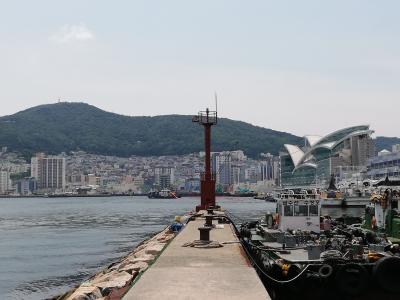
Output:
x=26 y=186
x=384 y=165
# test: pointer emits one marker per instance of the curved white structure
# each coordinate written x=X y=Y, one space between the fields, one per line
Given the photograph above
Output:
x=296 y=154
x=299 y=157
x=349 y=147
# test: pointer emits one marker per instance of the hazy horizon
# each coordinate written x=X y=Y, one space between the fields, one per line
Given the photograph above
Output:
x=306 y=67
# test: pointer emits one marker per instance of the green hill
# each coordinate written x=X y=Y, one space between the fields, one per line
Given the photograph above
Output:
x=55 y=128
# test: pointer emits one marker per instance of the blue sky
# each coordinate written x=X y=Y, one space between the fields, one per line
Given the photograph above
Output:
x=306 y=67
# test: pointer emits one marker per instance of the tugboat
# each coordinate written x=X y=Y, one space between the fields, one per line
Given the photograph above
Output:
x=163 y=194
x=301 y=255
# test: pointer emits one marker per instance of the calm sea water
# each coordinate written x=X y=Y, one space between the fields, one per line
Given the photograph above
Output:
x=48 y=245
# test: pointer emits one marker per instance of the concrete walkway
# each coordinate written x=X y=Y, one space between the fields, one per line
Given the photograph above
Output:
x=192 y=273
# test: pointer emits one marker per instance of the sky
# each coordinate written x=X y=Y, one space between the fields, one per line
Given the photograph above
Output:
x=304 y=67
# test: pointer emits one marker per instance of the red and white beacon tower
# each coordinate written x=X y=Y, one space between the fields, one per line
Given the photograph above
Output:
x=207 y=119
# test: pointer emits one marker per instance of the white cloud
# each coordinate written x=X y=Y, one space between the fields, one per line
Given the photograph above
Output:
x=71 y=33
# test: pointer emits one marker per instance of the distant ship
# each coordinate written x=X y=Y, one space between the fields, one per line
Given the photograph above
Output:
x=163 y=194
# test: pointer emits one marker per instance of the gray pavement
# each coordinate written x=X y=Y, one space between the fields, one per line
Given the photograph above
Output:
x=192 y=273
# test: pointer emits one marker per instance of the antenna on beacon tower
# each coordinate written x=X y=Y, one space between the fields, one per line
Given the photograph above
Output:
x=216 y=102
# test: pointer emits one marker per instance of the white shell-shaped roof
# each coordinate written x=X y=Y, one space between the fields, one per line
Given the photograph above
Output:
x=326 y=145
x=312 y=139
x=330 y=141
x=295 y=153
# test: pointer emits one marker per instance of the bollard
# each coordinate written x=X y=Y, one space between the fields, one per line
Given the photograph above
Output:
x=209 y=220
x=204 y=233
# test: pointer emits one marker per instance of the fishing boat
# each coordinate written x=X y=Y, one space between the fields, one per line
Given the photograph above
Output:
x=269 y=197
x=330 y=197
x=163 y=194
x=300 y=254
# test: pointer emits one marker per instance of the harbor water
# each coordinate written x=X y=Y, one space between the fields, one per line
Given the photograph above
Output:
x=48 y=245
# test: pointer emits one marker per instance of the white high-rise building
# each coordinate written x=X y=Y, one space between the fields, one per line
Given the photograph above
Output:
x=222 y=167
x=164 y=177
x=49 y=172
x=5 y=182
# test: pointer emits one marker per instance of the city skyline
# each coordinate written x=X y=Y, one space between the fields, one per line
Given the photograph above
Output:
x=333 y=64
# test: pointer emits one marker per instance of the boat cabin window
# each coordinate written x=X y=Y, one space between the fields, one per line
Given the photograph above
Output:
x=288 y=209
x=313 y=210
x=300 y=210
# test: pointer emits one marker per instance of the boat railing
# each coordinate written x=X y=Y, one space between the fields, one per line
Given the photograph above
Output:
x=299 y=196
x=206 y=117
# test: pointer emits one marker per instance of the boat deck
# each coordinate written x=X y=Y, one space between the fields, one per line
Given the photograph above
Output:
x=193 y=273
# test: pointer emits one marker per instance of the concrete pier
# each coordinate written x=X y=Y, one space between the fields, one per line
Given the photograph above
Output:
x=194 y=273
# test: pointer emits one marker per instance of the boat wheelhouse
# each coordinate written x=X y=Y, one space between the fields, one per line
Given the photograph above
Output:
x=302 y=214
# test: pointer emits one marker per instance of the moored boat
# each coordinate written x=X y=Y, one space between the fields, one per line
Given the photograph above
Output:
x=269 y=197
x=299 y=254
x=163 y=194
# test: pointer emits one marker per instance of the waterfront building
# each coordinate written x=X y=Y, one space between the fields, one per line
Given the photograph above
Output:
x=192 y=185
x=138 y=181
x=252 y=174
x=26 y=186
x=320 y=157
x=238 y=173
x=164 y=177
x=222 y=167
x=49 y=172
x=387 y=164
x=5 y=182
x=269 y=168
x=93 y=180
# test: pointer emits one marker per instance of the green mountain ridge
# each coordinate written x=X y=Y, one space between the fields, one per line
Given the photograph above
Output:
x=64 y=127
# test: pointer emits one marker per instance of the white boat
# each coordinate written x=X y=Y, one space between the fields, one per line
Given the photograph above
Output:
x=327 y=198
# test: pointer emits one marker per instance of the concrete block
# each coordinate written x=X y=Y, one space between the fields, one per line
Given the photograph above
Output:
x=144 y=258
x=133 y=267
x=113 y=280
x=85 y=293
x=154 y=249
